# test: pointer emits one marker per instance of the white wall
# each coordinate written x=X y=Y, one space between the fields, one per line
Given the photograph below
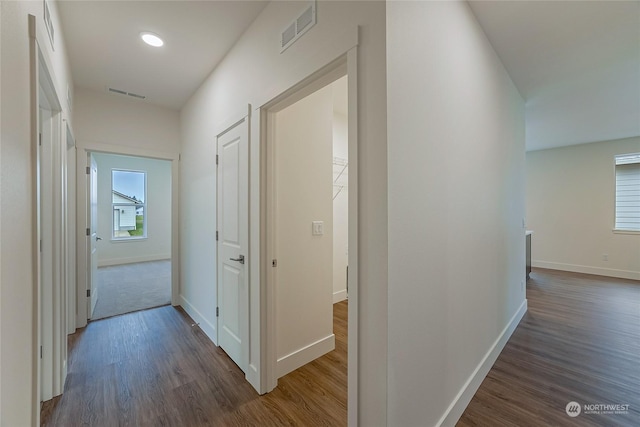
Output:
x=456 y=209
x=114 y=119
x=303 y=146
x=157 y=245
x=255 y=72
x=19 y=404
x=571 y=208
x=340 y=208
x=1 y=275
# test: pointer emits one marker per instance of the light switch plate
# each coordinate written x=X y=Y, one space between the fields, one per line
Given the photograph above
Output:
x=317 y=228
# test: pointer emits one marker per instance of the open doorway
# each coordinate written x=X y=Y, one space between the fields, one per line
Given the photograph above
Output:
x=308 y=226
x=130 y=210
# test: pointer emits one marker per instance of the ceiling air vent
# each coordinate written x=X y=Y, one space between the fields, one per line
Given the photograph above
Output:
x=298 y=27
x=124 y=92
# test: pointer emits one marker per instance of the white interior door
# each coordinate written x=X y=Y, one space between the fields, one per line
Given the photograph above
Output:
x=233 y=242
x=92 y=283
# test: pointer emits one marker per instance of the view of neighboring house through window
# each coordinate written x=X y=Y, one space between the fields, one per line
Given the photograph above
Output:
x=628 y=192
x=128 y=190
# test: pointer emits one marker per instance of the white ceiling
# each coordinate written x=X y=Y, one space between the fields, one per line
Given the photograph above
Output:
x=105 y=49
x=576 y=63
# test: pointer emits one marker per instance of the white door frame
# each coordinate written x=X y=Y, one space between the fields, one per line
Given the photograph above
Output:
x=92 y=233
x=82 y=206
x=49 y=361
x=344 y=65
x=70 y=231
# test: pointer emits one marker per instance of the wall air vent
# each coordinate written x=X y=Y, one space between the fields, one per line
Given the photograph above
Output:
x=121 y=92
x=135 y=95
x=124 y=92
x=298 y=27
x=304 y=20
x=288 y=35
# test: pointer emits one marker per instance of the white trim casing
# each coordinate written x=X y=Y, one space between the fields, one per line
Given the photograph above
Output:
x=459 y=404
x=301 y=357
x=49 y=303
x=133 y=260
x=598 y=271
x=207 y=327
x=354 y=214
x=339 y=296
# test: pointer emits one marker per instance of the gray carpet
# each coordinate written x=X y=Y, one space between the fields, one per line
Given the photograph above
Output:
x=131 y=287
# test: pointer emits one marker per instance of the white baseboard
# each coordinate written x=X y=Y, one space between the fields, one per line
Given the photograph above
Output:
x=132 y=260
x=599 y=271
x=301 y=357
x=459 y=404
x=339 y=296
x=207 y=327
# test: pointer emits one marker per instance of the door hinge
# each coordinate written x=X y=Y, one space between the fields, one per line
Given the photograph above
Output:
x=216 y=235
x=40 y=352
x=217 y=311
x=88 y=232
x=88 y=170
x=217 y=159
x=39 y=139
x=88 y=293
x=274 y=263
x=40 y=245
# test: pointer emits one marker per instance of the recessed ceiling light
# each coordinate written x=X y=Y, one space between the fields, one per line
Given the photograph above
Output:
x=151 y=39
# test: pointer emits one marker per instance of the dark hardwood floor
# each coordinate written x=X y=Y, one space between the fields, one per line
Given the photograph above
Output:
x=579 y=341
x=152 y=368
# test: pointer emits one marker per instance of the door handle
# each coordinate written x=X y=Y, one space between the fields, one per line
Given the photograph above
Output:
x=98 y=238
x=240 y=259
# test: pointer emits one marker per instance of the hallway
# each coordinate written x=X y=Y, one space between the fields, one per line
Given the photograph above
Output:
x=152 y=368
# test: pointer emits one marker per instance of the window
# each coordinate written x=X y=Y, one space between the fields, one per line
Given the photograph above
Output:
x=628 y=192
x=128 y=191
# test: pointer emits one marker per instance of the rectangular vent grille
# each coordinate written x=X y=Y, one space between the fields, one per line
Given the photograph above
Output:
x=49 y=24
x=135 y=95
x=304 y=20
x=121 y=92
x=124 y=92
x=298 y=27
x=288 y=35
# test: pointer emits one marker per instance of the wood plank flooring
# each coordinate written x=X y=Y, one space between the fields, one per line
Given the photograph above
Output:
x=579 y=341
x=153 y=368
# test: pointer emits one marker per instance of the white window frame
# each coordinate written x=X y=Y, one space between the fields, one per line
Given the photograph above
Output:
x=621 y=161
x=137 y=205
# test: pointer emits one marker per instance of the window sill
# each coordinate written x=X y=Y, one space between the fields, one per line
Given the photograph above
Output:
x=620 y=231
x=128 y=239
